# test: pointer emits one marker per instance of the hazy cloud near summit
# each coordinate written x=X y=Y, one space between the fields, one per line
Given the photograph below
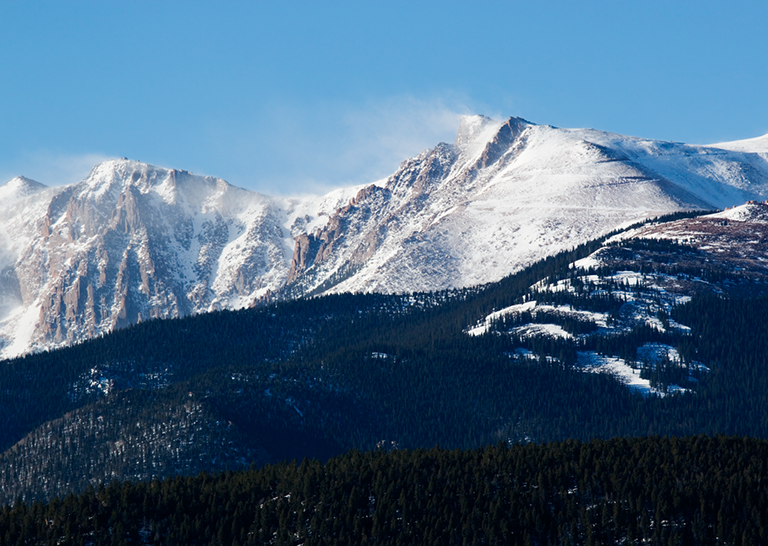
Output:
x=286 y=148
x=52 y=169
x=387 y=133
x=301 y=149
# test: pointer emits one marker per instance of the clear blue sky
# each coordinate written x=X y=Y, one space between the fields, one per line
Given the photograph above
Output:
x=287 y=97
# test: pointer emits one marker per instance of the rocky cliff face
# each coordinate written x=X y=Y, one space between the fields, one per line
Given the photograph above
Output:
x=134 y=242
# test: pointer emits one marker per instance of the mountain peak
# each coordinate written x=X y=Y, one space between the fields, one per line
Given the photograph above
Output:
x=21 y=186
x=117 y=174
x=112 y=175
x=474 y=128
x=134 y=172
x=123 y=168
x=476 y=132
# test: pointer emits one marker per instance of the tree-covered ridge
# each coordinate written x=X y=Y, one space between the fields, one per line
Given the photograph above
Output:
x=694 y=490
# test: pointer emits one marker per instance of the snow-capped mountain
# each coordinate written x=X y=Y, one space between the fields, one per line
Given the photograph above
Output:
x=504 y=195
x=133 y=241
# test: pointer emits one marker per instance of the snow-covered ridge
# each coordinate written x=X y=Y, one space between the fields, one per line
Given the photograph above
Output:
x=758 y=145
x=134 y=241
x=472 y=212
x=750 y=212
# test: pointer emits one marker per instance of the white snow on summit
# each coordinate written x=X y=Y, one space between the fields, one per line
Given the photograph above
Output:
x=133 y=242
x=757 y=145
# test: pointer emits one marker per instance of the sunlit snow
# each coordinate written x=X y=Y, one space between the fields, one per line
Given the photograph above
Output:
x=616 y=367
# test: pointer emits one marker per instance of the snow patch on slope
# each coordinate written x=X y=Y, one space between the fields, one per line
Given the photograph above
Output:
x=592 y=362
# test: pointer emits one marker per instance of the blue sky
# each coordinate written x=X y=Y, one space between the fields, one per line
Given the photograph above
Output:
x=289 y=97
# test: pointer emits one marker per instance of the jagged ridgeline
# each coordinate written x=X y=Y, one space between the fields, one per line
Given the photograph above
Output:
x=318 y=377
x=696 y=490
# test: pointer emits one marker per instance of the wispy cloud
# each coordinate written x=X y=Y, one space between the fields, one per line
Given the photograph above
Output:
x=301 y=149
x=52 y=169
x=381 y=135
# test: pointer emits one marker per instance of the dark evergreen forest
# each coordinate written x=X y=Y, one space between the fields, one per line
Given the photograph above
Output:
x=695 y=490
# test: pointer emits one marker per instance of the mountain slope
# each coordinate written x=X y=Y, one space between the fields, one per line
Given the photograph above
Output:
x=506 y=194
x=133 y=242
x=634 y=285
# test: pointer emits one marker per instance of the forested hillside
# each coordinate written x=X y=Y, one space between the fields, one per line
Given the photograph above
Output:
x=696 y=490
